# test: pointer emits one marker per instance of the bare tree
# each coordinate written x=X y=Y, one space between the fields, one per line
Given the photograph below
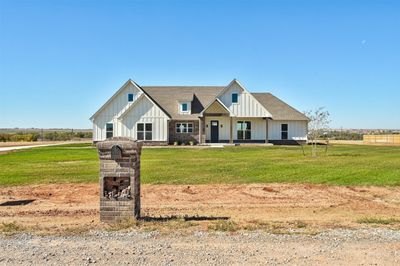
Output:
x=318 y=124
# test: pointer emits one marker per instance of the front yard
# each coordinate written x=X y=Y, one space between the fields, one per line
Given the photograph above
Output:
x=342 y=165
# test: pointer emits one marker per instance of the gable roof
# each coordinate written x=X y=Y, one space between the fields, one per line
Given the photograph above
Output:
x=109 y=100
x=218 y=101
x=235 y=81
x=130 y=81
x=127 y=110
x=279 y=109
x=169 y=96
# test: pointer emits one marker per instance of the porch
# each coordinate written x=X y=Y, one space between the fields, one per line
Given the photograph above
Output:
x=217 y=125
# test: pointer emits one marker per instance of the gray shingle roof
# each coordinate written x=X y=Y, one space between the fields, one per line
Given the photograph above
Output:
x=168 y=97
x=278 y=109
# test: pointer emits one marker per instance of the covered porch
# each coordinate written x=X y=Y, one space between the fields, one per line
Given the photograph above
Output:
x=218 y=125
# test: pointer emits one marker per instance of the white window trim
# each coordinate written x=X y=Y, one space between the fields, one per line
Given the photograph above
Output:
x=244 y=131
x=133 y=97
x=287 y=131
x=107 y=131
x=186 y=128
x=237 y=97
x=144 y=131
x=181 y=107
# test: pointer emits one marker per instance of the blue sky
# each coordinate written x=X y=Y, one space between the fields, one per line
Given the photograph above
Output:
x=61 y=60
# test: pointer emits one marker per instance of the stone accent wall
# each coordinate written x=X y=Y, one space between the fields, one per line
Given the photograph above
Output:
x=155 y=143
x=119 y=179
x=183 y=137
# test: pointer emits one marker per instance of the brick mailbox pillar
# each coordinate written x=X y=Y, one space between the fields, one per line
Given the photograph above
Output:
x=119 y=179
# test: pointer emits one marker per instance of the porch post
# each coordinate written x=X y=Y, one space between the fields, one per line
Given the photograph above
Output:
x=230 y=130
x=266 y=130
x=200 y=127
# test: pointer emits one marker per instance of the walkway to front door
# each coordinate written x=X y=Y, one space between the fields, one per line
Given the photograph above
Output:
x=214 y=131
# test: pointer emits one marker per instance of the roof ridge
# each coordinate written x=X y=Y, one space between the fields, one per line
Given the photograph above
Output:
x=183 y=86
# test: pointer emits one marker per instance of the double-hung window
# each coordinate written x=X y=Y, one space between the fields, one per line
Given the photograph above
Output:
x=284 y=131
x=243 y=130
x=184 y=127
x=109 y=130
x=144 y=131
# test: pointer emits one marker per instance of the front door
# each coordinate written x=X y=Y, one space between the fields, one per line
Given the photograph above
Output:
x=214 y=131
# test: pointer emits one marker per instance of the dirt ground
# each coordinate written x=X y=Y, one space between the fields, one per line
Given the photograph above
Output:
x=283 y=206
x=255 y=224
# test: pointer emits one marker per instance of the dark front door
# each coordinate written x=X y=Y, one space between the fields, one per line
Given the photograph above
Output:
x=214 y=131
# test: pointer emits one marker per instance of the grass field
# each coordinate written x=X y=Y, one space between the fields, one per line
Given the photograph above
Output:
x=342 y=165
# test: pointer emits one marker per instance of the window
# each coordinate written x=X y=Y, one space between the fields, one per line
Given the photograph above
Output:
x=130 y=97
x=184 y=127
x=284 y=131
x=235 y=98
x=144 y=131
x=184 y=107
x=109 y=130
x=243 y=130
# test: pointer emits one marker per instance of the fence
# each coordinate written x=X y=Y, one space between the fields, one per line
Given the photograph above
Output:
x=381 y=139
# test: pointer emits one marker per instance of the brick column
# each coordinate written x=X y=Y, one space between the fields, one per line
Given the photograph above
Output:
x=119 y=179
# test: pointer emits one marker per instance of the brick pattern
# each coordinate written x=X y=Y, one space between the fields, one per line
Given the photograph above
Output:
x=124 y=171
x=183 y=137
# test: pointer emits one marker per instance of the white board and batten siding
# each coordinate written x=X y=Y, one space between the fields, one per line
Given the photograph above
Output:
x=223 y=131
x=247 y=105
x=145 y=111
x=142 y=111
x=258 y=127
x=109 y=113
x=297 y=130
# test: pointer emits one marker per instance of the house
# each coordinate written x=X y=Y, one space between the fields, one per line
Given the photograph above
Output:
x=160 y=115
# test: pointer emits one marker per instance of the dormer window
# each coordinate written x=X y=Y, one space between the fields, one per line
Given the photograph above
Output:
x=184 y=107
x=235 y=98
x=130 y=97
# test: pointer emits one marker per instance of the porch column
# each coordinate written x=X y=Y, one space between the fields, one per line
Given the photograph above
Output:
x=200 y=133
x=266 y=130
x=230 y=130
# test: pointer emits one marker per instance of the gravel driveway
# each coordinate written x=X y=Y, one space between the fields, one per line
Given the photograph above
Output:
x=333 y=247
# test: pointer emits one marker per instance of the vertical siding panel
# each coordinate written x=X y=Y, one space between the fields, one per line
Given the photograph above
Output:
x=146 y=112
x=247 y=105
x=297 y=129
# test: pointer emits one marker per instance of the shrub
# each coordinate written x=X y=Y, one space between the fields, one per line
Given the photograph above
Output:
x=225 y=226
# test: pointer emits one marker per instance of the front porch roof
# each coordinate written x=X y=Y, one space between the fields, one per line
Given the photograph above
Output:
x=216 y=107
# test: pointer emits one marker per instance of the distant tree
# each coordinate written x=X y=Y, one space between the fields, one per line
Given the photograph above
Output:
x=318 y=124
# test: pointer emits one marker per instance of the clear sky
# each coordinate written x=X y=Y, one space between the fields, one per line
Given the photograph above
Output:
x=61 y=60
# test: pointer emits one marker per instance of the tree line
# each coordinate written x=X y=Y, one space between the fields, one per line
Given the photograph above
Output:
x=45 y=136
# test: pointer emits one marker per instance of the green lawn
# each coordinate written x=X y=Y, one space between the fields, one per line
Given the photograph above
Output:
x=343 y=165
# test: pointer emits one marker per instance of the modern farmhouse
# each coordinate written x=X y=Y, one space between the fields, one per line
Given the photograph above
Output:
x=160 y=115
